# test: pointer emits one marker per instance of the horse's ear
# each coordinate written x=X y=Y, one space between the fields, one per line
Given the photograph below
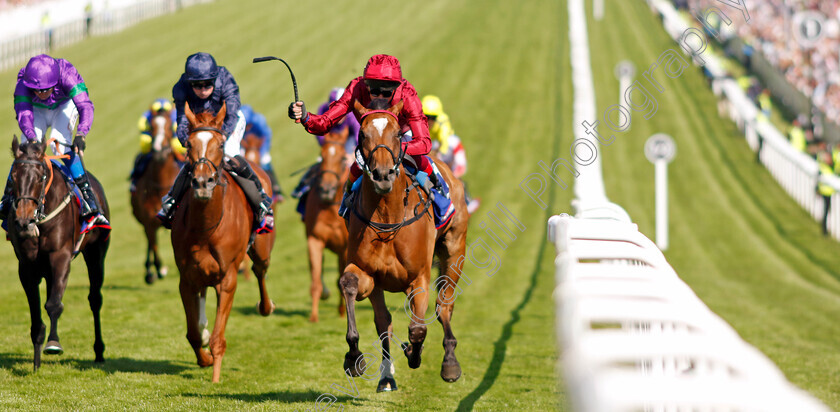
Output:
x=359 y=109
x=16 y=147
x=345 y=133
x=189 y=113
x=220 y=117
x=397 y=108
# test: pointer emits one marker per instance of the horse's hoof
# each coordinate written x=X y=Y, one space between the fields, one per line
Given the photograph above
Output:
x=413 y=359
x=53 y=348
x=313 y=318
x=150 y=278
x=99 y=359
x=386 y=385
x=355 y=365
x=163 y=272
x=270 y=309
x=205 y=359
x=451 y=372
x=325 y=293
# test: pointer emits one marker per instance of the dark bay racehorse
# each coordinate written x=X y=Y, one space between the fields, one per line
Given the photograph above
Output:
x=392 y=240
x=44 y=229
x=324 y=227
x=151 y=186
x=210 y=234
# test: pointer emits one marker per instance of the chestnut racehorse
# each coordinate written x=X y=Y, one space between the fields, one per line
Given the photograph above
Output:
x=44 y=229
x=392 y=240
x=210 y=235
x=151 y=186
x=324 y=227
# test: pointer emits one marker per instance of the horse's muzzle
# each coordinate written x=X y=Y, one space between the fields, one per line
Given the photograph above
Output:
x=203 y=187
x=383 y=179
x=26 y=228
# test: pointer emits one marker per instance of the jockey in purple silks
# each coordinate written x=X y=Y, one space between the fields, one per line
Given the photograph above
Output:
x=51 y=93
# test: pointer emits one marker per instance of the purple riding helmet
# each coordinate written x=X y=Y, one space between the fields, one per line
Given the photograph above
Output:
x=42 y=72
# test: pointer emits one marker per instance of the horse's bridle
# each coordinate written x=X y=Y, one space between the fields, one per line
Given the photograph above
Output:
x=397 y=159
x=39 y=201
x=204 y=160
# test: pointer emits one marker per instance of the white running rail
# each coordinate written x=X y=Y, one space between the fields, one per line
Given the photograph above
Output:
x=634 y=337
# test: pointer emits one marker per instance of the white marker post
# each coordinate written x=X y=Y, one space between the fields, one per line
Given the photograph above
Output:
x=660 y=149
x=598 y=10
x=625 y=71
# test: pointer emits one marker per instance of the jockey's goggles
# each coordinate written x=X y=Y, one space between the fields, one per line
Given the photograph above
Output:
x=204 y=84
x=42 y=90
x=431 y=118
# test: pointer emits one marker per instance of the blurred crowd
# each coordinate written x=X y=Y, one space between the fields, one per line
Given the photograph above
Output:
x=10 y=4
x=815 y=72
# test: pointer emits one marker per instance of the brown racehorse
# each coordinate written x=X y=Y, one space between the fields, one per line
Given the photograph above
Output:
x=392 y=240
x=324 y=227
x=210 y=234
x=151 y=186
x=44 y=229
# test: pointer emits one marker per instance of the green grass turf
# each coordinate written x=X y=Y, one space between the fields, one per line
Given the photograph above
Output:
x=501 y=69
x=749 y=251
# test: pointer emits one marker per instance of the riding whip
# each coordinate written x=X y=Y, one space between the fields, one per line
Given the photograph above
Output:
x=268 y=58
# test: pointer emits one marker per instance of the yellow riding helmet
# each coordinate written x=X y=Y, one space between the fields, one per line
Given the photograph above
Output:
x=161 y=104
x=432 y=106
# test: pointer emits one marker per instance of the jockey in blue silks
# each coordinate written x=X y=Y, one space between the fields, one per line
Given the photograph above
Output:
x=205 y=86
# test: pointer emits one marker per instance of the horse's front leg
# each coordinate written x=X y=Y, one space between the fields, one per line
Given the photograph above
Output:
x=30 y=280
x=260 y=255
x=316 y=259
x=382 y=319
x=56 y=284
x=191 y=298
x=151 y=239
x=218 y=344
x=153 y=247
x=355 y=284
x=418 y=299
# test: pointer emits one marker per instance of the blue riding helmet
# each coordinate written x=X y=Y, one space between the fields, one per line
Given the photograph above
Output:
x=201 y=66
x=42 y=72
x=248 y=113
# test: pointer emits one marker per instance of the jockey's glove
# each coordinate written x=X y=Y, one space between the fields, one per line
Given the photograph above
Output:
x=302 y=111
x=79 y=143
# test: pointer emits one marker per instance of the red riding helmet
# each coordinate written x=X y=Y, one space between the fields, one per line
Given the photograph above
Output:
x=383 y=67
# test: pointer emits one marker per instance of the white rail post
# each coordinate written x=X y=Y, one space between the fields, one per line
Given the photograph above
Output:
x=660 y=149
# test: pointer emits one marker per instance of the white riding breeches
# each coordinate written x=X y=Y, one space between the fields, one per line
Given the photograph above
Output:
x=232 y=145
x=62 y=121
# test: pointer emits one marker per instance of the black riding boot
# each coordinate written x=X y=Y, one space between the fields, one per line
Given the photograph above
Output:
x=6 y=202
x=90 y=208
x=167 y=209
x=260 y=202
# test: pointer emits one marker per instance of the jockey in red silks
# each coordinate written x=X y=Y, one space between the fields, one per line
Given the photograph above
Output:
x=382 y=79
